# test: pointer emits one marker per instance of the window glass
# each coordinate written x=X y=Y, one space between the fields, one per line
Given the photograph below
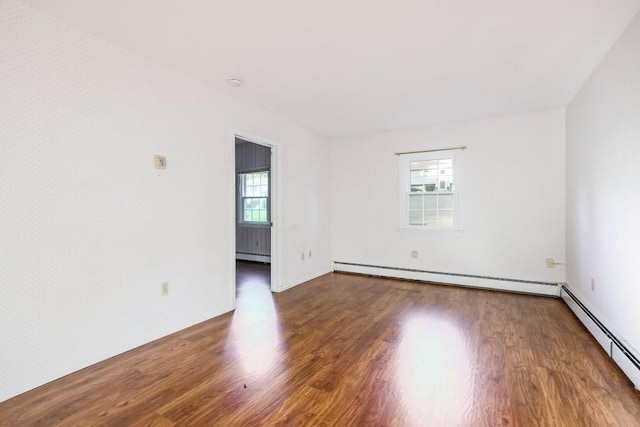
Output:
x=255 y=197
x=428 y=194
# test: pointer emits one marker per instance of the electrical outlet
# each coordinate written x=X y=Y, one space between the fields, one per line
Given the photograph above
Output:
x=414 y=254
x=593 y=284
x=550 y=262
x=164 y=288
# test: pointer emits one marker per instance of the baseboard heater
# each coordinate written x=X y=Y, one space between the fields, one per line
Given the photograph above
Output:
x=253 y=257
x=484 y=282
x=617 y=349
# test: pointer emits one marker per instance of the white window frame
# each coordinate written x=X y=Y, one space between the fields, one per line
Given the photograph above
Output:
x=404 y=167
x=242 y=197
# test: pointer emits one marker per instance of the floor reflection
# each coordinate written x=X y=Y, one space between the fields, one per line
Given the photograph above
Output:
x=433 y=370
x=255 y=329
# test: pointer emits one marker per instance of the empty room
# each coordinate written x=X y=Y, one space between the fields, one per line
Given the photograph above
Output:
x=341 y=213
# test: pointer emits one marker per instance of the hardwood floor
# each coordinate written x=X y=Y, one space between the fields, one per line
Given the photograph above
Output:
x=252 y=274
x=352 y=350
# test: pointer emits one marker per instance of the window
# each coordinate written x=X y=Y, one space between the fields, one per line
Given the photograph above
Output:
x=428 y=194
x=254 y=197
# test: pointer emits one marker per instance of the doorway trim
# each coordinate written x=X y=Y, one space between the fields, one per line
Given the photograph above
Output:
x=275 y=206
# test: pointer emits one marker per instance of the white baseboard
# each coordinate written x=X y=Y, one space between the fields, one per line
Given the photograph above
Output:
x=618 y=349
x=252 y=257
x=484 y=282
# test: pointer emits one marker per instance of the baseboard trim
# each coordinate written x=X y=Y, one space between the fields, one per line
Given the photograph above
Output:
x=484 y=282
x=253 y=257
x=617 y=349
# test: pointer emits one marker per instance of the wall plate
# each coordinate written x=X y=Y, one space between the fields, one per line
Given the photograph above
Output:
x=159 y=162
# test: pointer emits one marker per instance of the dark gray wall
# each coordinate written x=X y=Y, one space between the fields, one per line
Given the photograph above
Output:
x=252 y=240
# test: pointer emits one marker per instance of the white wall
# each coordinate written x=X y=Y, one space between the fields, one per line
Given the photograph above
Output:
x=603 y=196
x=511 y=199
x=88 y=230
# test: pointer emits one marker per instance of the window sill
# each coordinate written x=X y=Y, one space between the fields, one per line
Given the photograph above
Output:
x=254 y=225
x=412 y=228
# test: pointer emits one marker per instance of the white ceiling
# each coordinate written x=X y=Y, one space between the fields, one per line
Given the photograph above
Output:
x=343 y=67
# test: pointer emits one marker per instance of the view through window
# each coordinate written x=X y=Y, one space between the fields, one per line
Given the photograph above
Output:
x=428 y=190
x=255 y=197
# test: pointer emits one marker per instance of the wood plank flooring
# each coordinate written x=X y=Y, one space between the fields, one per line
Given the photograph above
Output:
x=346 y=350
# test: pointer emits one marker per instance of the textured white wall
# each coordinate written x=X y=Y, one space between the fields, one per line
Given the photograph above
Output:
x=603 y=200
x=512 y=199
x=89 y=230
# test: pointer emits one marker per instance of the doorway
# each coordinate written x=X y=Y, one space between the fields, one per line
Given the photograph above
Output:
x=254 y=255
